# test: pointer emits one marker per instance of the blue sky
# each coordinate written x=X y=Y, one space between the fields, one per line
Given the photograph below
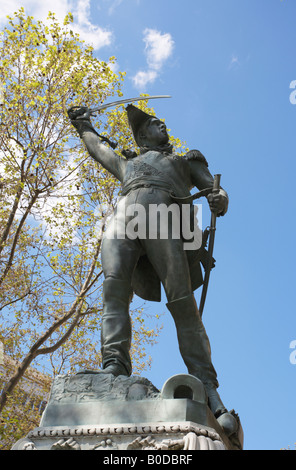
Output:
x=228 y=65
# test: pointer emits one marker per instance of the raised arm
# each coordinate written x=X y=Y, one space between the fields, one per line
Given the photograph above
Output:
x=80 y=118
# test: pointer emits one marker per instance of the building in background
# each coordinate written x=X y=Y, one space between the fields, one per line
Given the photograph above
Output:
x=30 y=398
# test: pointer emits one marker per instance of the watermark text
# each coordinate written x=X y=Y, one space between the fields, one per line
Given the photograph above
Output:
x=157 y=222
x=293 y=94
x=293 y=353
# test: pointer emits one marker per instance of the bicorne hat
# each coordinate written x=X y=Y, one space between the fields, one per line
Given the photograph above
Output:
x=136 y=118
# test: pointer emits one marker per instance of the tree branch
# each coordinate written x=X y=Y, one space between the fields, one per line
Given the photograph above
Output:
x=16 y=237
x=36 y=349
x=13 y=210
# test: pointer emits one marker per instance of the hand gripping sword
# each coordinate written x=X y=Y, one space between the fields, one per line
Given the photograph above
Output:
x=97 y=109
x=212 y=229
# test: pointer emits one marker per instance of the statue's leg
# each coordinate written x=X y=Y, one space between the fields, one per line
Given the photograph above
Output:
x=195 y=348
x=116 y=327
x=119 y=258
x=170 y=262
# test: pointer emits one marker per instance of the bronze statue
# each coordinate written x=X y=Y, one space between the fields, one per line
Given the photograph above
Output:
x=139 y=265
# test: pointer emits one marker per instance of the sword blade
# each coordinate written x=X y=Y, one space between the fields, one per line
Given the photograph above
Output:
x=128 y=100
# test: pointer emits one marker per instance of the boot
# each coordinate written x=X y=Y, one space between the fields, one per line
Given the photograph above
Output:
x=116 y=329
x=195 y=348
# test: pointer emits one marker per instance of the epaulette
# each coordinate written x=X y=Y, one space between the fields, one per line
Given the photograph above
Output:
x=196 y=155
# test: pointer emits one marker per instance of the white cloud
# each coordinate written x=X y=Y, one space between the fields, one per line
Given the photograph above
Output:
x=143 y=77
x=91 y=33
x=113 y=6
x=234 y=62
x=35 y=8
x=158 y=48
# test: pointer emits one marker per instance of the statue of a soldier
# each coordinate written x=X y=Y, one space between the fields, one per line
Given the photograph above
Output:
x=156 y=176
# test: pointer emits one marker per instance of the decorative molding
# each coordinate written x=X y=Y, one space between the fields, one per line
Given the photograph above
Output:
x=167 y=436
x=69 y=444
x=88 y=431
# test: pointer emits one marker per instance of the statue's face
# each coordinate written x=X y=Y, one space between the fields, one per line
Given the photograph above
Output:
x=153 y=133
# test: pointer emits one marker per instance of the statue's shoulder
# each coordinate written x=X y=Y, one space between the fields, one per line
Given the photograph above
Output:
x=196 y=155
x=175 y=156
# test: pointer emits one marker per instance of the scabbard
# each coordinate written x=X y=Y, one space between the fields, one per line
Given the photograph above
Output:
x=212 y=229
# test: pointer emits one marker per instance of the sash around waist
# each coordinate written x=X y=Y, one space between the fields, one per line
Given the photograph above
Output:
x=147 y=183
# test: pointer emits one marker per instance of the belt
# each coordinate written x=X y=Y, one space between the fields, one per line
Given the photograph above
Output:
x=163 y=185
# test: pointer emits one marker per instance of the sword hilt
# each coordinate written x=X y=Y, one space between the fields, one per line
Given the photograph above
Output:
x=216 y=185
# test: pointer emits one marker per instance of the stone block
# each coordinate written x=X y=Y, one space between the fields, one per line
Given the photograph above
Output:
x=103 y=412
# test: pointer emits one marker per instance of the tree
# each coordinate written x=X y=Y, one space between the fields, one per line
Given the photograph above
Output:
x=24 y=407
x=54 y=202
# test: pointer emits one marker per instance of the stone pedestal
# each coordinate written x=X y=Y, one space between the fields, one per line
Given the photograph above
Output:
x=103 y=412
